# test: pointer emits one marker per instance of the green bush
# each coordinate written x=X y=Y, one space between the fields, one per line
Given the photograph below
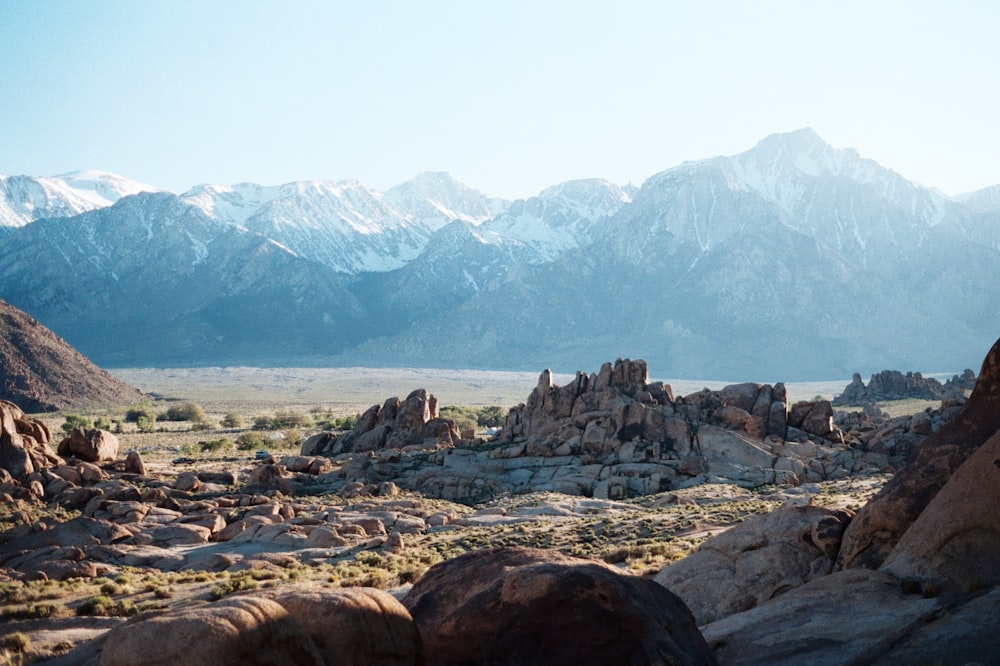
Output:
x=74 y=421
x=146 y=423
x=216 y=445
x=187 y=411
x=232 y=420
x=262 y=423
x=291 y=419
x=104 y=423
x=144 y=409
x=292 y=438
x=249 y=441
x=491 y=417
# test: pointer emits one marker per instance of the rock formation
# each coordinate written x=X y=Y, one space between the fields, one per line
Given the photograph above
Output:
x=881 y=523
x=757 y=560
x=90 y=445
x=932 y=533
x=612 y=434
x=894 y=385
x=523 y=606
x=41 y=372
x=24 y=442
x=411 y=424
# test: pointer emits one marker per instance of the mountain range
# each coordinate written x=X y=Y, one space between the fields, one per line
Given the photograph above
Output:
x=794 y=260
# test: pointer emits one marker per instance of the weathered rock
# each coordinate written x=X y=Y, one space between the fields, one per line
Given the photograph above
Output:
x=90 y=445
x=355 y=626
x=134 y=464
x=238 y=630
x=522 y=606
x=757 y=560
x=24 y=443
x=955 y=542
x=879 y=524
x=849 y=617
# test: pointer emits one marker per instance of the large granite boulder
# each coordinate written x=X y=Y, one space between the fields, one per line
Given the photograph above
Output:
x=850 y=617
x=355 y=626
x=954 y=544
x=90 y=444
x=24 y=442
x=231 y=632
x=880 y=524
x=524 y=606
x=757 y=560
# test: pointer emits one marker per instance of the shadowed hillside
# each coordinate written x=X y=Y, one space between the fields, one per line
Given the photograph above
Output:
x=42 y=372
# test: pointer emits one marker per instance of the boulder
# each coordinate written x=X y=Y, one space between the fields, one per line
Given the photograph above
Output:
x=757 y=560
x=880 y=524
x=849 y=617
x=525 y=606
x=24 y=442
x=134 y=464
x=90 y=445
x=955 y=542
x=234 y=631
x=355 y=626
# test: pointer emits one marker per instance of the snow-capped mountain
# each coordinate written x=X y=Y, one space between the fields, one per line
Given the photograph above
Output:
x=560 y=218
x=340 y=224
x=154 y=273
x=792 y=260
x=433 y=199
x=24 y=199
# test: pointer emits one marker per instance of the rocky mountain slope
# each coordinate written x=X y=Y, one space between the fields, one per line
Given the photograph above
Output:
x=41 y=372
x=733 y=267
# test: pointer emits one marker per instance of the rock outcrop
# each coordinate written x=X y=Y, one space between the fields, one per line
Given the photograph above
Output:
x=41 y=372
x=24 y=442
x=894 y=385
x=89 y=445
x=409 y=424
x=613 y=435
x=757 y=560
x=880 y=524
x=523 y=606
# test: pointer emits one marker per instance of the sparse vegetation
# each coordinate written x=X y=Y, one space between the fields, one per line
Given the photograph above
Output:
x=232 y=420
x=74 y=421
x=249 y=441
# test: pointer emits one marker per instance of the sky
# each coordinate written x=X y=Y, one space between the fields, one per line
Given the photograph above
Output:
x=509 y=97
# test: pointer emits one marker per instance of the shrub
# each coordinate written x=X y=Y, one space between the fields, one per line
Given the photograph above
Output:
x=216 y=445
x=262 y=423
x=248 y=441
x=75 y=421
x=15 y=642
x=290 y=419
x=104 y=423
x=491 y=417
x=106 y=606
x=187 y=411
x=232 y=420
x=201 y=426
x=142 y=409
x=146 y=423
x=292 y=438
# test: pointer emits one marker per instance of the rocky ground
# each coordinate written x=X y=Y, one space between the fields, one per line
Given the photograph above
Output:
x=608 y=468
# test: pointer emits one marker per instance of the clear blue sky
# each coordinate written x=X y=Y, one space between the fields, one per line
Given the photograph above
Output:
x=508 y=96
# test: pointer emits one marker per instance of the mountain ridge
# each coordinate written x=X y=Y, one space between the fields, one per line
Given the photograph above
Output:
x=729 y=267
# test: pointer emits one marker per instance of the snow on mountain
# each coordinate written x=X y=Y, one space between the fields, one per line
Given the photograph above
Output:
x=849 y=203
x=560 y=218
x=341 y=224
x=24 y=199
x=435 y=199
